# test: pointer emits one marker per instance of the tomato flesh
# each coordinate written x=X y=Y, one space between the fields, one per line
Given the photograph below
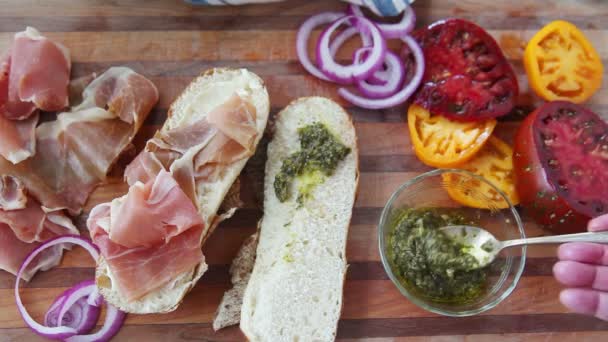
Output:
x=466 y=77
x=561 y=166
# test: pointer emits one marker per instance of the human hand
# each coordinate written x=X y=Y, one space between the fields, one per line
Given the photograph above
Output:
x=583 y=268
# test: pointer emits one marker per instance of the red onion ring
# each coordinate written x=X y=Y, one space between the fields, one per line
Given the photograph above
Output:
x=350 y=73
x=380 y=77
x=303 y=36
x=344 y=36
x=396 y=73
x=72 y=308
x=114 y=320
x=60 y=332
x=400 y=97
x=390 y=31
x=114 y=317
x=86 y=314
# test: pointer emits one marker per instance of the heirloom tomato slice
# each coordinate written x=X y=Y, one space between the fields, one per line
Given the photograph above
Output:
x=562 y=64
x=494 y=162
x=561 y=166
x=441 y=142
x=467 y=77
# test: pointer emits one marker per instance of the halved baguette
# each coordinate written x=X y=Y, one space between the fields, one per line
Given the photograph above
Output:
x=206 y=92
x=295 y=289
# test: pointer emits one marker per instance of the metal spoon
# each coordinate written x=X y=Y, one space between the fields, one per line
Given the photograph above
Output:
x=484 y=246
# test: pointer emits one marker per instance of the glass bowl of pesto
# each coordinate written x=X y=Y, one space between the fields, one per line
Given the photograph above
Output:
x=434 y=271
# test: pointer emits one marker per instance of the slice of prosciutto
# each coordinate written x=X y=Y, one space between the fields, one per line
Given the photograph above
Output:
x=18 y=138
x=39 y=75
x=76 y=151
x=154 y=233
x=22 y=230
x=149 y=236
x=197 y=152
x=73 y=155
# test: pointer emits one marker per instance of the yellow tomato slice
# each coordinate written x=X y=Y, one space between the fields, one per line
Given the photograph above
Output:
x=562 y=64
x=494 y=163
x=441 y=142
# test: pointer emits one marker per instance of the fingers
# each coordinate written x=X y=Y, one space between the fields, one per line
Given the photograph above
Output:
x=598 y=224
x=576 y=274
x=586 y=301
x=590 y=253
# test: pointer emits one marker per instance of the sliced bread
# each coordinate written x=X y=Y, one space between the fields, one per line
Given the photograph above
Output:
x=206 y=92
x=295 y=290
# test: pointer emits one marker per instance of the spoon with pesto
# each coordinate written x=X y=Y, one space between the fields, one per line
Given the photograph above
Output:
x=484 y=247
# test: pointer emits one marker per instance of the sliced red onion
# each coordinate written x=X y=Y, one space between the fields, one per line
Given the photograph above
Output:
x=111 y=325
x=390 y=31
x=400 y=97
x=303 y=36
x=380 y=77
x=51 y=318
x=344 y=36
x=347 y=74
x=396 y=73
x=60 y=332
x=73 y=309
x=76 y=308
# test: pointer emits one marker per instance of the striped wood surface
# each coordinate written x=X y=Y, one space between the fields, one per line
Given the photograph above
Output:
x=171 y=42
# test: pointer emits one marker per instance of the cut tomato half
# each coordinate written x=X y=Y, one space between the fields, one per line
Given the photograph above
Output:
x=561 y=166
x=467 y=77
x=494 y=162
x=562 y=64
x=441 y=142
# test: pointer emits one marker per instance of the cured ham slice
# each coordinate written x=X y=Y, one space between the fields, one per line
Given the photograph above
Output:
x=18 y=138
x=22 y=230
x=75 y=152
x=39 y=75
x=149 y=236
x=12 y=193
x=73 y=155
x=195 y=152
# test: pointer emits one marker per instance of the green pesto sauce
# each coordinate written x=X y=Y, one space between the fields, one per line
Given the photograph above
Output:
x=430 y=263
x=319 y=155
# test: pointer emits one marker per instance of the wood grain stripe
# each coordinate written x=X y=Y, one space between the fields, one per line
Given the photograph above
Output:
x=218 y=274
x=578 y=336
x=159 y=8
x=497 y=324
x=275 y=45
x=203 y=332
x=204 y=22
x=362 y=300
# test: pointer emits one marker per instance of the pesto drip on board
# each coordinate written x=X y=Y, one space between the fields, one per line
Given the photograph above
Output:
x=319 y=155
x=429 y=262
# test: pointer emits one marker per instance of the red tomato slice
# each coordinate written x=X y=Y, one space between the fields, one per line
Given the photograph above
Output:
x=466 y=77
x=561 y=166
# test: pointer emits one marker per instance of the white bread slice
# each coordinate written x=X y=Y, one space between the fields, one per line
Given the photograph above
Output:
x=206 y=92
x=295 y=289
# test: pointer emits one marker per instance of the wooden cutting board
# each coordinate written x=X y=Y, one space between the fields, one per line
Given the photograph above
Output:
x=172 y=42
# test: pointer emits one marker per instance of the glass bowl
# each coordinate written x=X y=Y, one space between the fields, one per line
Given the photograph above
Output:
x=429 y=191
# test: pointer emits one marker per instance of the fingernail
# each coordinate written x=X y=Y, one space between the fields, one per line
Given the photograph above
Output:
x=598 y=224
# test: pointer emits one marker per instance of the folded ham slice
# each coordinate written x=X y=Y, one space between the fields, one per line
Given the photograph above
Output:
x=73 y=155
x=18 y=138
x=149 y=236
x=197 y=151
x=22 y=230
x=153 y=234
x=39 y=75
x=75 y=152
x=12 y=193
